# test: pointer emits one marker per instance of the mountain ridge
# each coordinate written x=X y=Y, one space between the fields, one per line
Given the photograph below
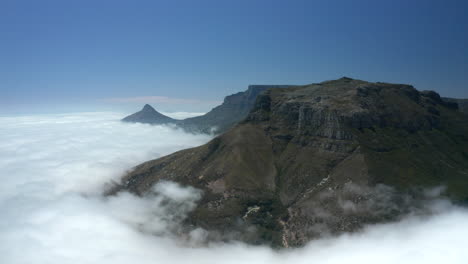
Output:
x=234 y=108
x=320 y=159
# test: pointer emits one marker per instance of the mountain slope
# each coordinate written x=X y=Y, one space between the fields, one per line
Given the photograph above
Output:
x=150 y=116
x=320 y=159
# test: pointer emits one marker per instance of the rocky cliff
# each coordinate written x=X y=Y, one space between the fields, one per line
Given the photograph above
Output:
x=320 y=159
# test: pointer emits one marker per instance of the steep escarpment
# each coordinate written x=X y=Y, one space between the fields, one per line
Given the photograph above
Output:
x=320 y=159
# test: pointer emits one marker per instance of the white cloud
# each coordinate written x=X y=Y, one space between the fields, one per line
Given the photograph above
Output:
x=79 y=152
x=182 y=115
x=52 y=169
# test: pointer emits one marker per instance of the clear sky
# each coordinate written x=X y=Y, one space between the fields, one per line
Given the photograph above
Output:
x=187 y=55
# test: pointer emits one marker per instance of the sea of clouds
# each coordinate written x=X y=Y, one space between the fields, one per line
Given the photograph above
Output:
x=54 y=168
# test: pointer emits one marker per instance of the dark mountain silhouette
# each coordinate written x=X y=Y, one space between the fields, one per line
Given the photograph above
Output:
x=150 y=116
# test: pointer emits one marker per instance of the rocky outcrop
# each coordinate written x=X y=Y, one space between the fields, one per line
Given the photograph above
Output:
x=320 y=159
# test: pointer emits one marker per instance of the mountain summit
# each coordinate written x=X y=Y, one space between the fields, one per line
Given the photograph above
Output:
x=149 y=115
x=320 y=159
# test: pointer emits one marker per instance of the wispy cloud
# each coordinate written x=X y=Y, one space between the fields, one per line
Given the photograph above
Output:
x=158 y=99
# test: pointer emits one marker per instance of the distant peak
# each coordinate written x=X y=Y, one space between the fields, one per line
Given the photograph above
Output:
x=344 y=78
x=148 y=107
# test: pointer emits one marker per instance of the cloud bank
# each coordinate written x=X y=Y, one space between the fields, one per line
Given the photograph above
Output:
x=53 y=169
x=182 y=115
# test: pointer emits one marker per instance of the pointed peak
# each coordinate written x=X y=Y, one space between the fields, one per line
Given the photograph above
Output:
x=148 y=107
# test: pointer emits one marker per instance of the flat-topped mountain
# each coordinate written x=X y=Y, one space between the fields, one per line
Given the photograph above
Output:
x=150 y=116
x=320 y=159
x=234 y=108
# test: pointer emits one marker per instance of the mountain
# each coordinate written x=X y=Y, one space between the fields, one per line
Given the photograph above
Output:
x=149 y=115
x=233 y=109
x=462 y=103
x=320 y=159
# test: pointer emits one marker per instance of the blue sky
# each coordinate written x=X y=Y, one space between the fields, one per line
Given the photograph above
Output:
x=81 y=55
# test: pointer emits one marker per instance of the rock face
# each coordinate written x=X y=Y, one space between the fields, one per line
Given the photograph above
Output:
x=150 y=116
x=221 y=118
x=320 y=159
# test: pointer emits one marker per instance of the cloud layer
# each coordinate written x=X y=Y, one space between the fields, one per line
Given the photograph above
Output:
x=53 y=169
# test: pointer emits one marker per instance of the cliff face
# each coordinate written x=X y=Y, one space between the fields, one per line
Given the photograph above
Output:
x=320 y=159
